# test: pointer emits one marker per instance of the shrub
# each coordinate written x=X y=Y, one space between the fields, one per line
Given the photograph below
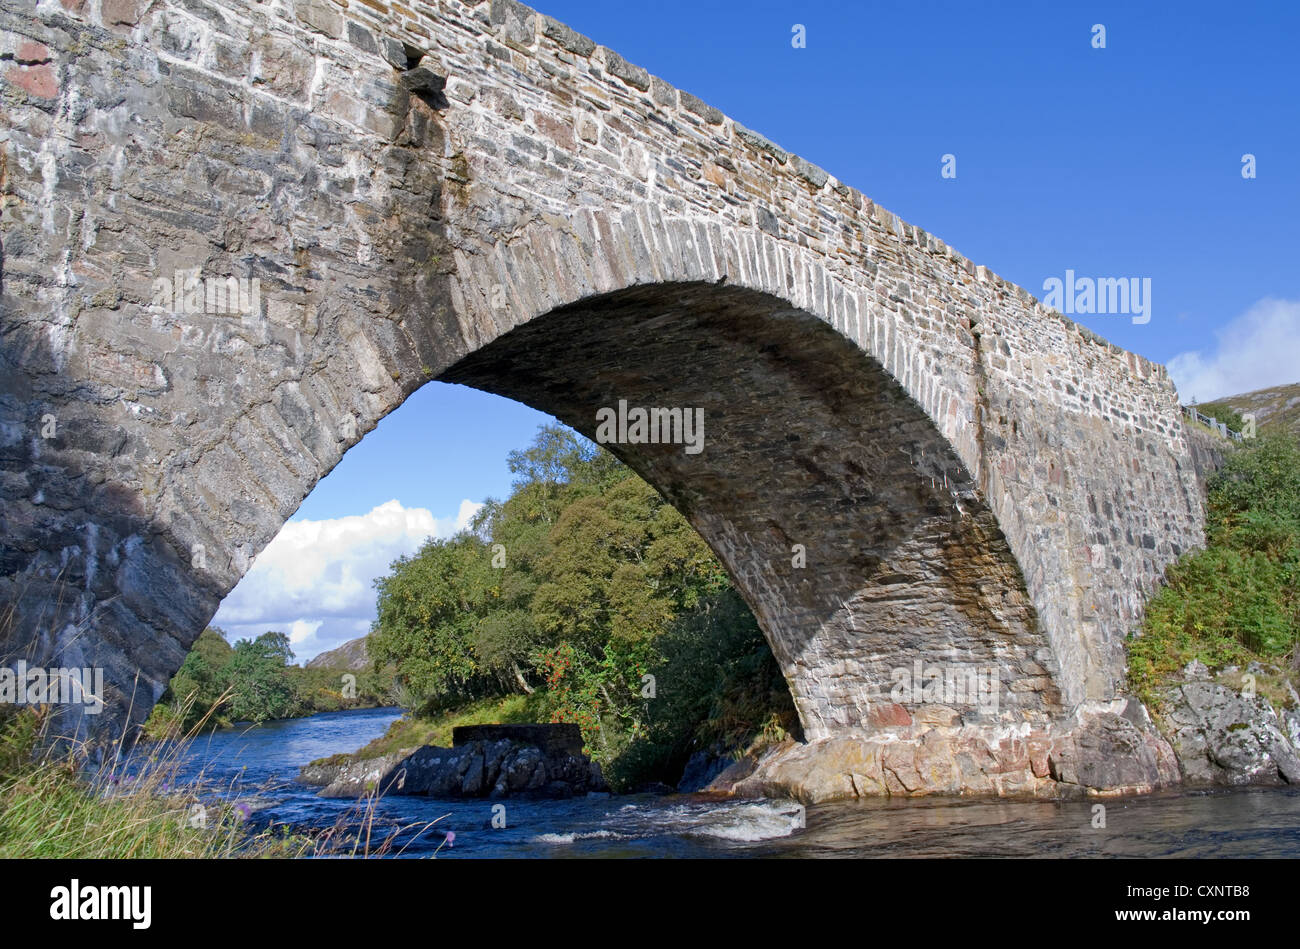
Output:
x=1238 y=600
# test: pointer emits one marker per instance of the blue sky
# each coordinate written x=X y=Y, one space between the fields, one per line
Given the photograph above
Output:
x=1120 y=162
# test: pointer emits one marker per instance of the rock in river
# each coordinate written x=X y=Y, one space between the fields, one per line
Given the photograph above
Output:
x=484 y=761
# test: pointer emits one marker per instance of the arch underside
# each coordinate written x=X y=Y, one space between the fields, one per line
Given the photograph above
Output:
x=807 y=441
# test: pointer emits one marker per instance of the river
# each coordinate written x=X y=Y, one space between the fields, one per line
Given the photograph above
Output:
x=261 y=762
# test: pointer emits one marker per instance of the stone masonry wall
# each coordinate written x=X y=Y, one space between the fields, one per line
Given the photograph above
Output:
x=412 y=182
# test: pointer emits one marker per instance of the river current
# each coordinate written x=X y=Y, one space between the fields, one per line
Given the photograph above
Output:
x=258 y=764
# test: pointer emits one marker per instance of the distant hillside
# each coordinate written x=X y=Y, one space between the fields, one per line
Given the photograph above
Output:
x=351 y=655
x=1277 y=408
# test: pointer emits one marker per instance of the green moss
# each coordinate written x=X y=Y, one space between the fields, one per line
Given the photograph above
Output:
x=341 y=758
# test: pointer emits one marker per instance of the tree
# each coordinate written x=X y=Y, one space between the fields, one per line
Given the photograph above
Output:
x=258 y=678
x=569 y=588
x=428 y=613
x=622 y=565
x=195 y=691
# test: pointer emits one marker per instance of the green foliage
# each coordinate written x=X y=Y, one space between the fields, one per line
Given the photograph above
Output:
x=197 y=690
x=622 y=564
x=259 y=679
x=1238 y=600
x=219 y=684
x=1222 y=413
x=571 y=589
x=717 y=689
x=322 y=689
x=429 y=609
x=1259 y=481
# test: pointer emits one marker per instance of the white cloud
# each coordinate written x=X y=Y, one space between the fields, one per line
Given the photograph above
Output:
x=314 y=581
x=1258 y=349
x=301 y=630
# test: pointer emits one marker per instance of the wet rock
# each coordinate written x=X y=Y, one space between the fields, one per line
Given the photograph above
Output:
x=476 y=769
x=1115 y=750
x=1107 y=748
x=354 y=778
x=1223 y=737
x=701 y=768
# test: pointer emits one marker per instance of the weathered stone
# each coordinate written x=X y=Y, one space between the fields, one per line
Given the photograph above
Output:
x=1113 y=749
x=321 y=16
x=472 y=782
x=478 y=768
x=809 y=172
x=553 y=739
x=567 y=38
x=588 y=130
x=1222 y=737
x=121 y=12
x=707 y=112
x=394 y=53
x=362 y=38
x=634 y=76
x=381 y=775
x=970 y=478
x=760 y=142
x=662 y=92
x=918 y=763
x=425 y=77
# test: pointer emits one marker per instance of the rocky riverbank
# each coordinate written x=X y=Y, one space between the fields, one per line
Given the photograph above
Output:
x=1211 y=730
x=493 y=761
x=1226 y=733
x=1107 y=749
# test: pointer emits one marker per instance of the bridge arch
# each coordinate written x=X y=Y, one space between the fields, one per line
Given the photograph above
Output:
x=850 y=525
x=432 y=196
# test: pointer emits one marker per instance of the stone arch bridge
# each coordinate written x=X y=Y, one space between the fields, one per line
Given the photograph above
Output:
x=472 y=192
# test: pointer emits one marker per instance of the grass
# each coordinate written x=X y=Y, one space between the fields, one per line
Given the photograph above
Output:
x=1158 y=657
x=54 y=805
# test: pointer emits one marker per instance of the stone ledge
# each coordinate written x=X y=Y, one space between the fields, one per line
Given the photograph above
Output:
x=479 y=768
x=553 y=739
x=1107 y=751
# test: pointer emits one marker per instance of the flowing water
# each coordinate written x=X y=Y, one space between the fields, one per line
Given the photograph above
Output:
x=259 y=764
